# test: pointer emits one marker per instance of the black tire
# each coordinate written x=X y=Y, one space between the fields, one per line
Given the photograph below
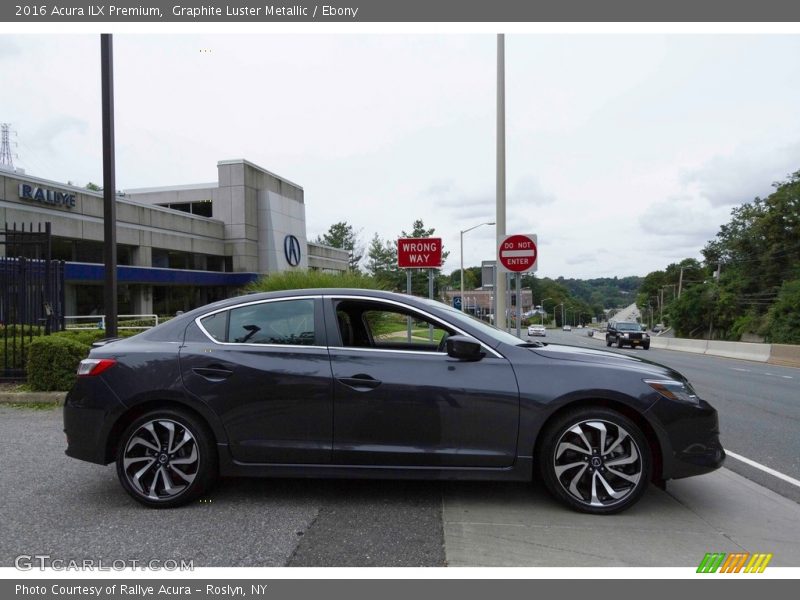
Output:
x=608 y=341
x=646 y=346
x=160 y=476
x=631 y=456
x=619 y=343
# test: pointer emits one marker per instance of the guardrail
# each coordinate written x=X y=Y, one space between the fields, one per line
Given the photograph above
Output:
x=99 y=321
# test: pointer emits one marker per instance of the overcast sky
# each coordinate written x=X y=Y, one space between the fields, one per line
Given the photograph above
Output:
x=624 y=152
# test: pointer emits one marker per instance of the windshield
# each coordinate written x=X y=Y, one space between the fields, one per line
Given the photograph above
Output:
x=629 y=327
x=459 y=317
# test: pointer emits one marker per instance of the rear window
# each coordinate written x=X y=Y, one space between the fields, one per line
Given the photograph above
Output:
x=288 y=322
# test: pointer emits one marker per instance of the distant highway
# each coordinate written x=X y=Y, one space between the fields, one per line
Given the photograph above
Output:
x=758 y=404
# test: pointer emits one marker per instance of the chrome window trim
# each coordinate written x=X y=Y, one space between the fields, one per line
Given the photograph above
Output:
x=254 y=344
x=434 y=318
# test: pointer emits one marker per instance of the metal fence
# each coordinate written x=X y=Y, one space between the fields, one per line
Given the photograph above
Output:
x=31 y=294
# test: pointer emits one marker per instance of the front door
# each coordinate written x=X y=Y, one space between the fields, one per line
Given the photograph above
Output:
x=400 y=400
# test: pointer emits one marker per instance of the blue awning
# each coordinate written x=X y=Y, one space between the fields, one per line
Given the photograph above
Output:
x=84 y=272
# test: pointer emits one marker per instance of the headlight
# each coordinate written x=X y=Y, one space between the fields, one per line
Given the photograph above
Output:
x=625 y=335
x=674 y=390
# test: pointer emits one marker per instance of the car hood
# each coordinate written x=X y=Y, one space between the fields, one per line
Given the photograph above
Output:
x=612 y=359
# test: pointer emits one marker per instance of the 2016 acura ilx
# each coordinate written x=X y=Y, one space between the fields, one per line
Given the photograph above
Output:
x=357 y=383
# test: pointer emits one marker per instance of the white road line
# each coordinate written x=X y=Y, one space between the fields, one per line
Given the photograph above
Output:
x=738 y=369
x=761 y=467
x=786 y=376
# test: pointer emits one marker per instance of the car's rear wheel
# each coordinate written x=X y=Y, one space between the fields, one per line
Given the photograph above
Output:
x=167 y=458
x=595 y=460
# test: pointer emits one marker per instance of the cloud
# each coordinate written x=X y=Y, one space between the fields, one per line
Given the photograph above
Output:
x=8 y=49
x=47 y=136
x=580 y=259
x=739 y=177
x=528 y=190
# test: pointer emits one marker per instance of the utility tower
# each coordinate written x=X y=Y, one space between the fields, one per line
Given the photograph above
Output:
x=6 y=157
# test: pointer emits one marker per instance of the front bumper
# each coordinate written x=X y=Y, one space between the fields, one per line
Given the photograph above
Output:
x=692 y=445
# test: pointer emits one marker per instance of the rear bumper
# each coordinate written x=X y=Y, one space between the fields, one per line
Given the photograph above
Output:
x=90 y=410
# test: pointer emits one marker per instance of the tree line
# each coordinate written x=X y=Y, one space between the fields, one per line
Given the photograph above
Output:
x=748 y=282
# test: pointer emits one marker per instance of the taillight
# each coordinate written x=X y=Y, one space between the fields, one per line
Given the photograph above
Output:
x=89 y=367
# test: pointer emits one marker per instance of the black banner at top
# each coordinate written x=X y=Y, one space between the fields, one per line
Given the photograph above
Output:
x=371 y=11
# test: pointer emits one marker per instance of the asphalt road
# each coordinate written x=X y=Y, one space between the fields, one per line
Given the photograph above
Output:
x=69 y=509
x=758 y=405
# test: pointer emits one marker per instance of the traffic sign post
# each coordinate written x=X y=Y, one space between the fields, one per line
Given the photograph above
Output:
x=518 y=253
x=419 y=253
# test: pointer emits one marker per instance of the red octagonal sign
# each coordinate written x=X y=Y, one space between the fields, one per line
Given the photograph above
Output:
x=517 y=253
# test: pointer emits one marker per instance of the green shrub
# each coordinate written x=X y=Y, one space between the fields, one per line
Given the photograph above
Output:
x=12 y=348
x=299 y=280
x=20 y=330
x=52 y=361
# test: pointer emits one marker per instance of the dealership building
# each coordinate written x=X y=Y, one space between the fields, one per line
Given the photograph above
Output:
x=178 y=247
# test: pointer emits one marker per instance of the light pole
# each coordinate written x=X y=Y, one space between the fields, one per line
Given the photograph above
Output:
x=543 y=308
x=462 y=259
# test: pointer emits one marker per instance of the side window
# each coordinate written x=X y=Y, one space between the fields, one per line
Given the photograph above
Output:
x=389 y=329
x=281 y=322
x=216 y=325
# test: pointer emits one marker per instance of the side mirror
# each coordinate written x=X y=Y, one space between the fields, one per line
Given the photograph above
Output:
x=463 y=348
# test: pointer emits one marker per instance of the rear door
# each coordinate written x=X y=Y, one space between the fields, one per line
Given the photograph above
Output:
x=264 y=368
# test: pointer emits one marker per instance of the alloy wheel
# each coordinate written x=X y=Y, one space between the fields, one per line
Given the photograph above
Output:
x=598 y=463
x=161 y=459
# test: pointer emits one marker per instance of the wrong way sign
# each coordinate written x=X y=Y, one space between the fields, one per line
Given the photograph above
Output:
x=517 y=253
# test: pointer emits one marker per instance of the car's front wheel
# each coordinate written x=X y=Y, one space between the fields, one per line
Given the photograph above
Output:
x=608 y=341
x=620 y=344
x=167 y=458
x=595 y=460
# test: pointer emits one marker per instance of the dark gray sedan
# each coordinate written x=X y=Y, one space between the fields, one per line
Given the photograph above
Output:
x=357 y=383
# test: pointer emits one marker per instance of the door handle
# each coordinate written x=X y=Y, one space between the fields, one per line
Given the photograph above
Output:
x=360 y=382
x=214 y=374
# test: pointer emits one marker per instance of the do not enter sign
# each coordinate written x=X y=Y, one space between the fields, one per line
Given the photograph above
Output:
x=517 y=253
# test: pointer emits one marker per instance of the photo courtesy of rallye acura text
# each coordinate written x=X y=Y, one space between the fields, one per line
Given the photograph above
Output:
x=357 y=383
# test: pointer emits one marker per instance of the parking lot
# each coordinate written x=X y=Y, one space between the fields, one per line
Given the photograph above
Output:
x=51 y=504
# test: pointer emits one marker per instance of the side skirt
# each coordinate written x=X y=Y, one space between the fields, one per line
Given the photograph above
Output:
x=520 y=471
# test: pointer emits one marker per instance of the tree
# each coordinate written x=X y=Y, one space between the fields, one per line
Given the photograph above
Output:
x=783 y=319
x=382 y=263
x=342 y=235
x=93 y=187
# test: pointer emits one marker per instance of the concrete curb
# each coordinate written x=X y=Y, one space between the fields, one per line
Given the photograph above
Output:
x=55 y=398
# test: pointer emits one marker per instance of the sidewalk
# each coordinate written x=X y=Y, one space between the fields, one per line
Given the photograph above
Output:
x=520 y=525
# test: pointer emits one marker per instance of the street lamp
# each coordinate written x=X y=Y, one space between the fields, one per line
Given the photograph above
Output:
x=543 y=308
x=462 y=259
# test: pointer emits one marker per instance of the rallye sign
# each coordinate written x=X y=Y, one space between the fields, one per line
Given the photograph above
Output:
x=419 y=253
x=45 y=196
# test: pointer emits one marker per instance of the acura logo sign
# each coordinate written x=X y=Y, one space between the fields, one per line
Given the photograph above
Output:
x=291 y=249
